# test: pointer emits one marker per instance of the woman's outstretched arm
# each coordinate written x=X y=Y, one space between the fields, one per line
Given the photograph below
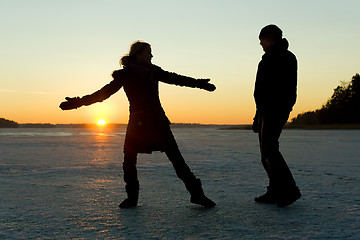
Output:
x=180 y=80
x=98 y=96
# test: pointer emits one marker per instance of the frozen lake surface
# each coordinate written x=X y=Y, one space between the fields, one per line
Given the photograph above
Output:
x=65 y=183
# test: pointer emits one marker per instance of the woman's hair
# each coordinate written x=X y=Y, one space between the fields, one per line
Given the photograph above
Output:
x=271 y=31
x=135 y=48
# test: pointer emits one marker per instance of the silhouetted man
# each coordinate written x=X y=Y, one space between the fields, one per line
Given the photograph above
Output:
x=275 y=95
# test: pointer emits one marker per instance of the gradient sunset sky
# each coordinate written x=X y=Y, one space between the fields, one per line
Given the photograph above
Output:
x=51 y=49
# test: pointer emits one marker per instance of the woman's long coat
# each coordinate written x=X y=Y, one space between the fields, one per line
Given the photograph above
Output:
x=148 y=128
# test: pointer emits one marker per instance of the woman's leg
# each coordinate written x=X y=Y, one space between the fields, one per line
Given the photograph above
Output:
x=181 y=168
x=131 y=180
x=192 y=184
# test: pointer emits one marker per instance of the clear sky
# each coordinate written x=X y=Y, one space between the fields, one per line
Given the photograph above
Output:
x=51 y=49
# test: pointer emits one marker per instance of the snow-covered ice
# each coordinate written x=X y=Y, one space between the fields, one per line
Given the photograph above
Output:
x=66 y=183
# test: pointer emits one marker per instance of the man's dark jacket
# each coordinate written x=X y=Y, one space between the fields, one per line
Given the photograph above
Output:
x=276 y=80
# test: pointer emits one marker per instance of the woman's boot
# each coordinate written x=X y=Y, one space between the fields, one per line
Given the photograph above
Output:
x=132 y=190
x=197 y=194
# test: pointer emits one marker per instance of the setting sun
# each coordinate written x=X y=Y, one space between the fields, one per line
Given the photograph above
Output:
x=101 y=122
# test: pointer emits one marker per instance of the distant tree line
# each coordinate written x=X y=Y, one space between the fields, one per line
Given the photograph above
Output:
x=342 y=108
x=4 y=123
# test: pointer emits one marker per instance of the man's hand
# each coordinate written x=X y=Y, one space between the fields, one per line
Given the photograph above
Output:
x=71 y=103
x=255 y=125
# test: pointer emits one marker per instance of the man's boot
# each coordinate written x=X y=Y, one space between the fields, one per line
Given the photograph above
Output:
x=269 y=197
x=132 y=190
x=197 y=194
x=289 y=197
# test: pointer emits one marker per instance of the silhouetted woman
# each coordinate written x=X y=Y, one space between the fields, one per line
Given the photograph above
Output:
x=148 y=128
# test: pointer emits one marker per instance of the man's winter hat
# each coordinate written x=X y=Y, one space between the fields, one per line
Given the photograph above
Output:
x=272 y=31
